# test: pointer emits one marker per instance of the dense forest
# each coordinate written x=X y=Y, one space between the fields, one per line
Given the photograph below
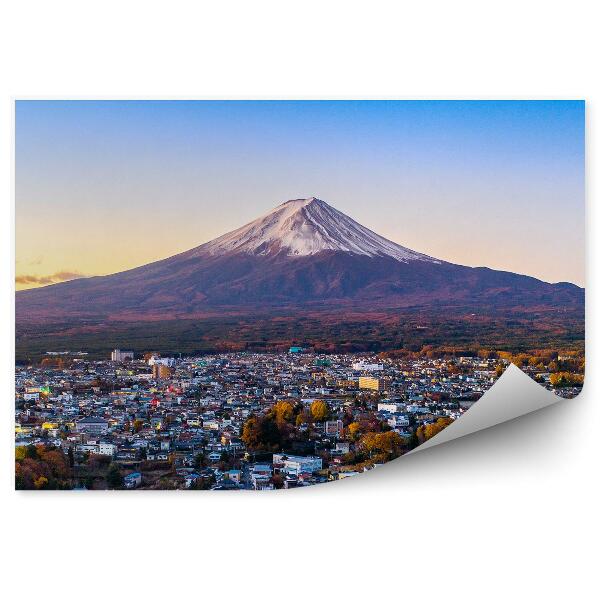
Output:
x=409 y=330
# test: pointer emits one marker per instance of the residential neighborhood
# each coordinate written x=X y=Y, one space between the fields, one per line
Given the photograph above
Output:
x=233 y=421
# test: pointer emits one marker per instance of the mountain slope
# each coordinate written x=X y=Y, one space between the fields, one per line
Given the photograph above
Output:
x=302 y=254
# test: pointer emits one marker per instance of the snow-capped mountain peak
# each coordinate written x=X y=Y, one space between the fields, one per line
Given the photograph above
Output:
x=304 y=227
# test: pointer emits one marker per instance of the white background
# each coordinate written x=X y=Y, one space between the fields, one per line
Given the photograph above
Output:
x=510 y=512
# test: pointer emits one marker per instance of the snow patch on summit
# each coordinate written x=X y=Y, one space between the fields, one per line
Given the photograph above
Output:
x=304 y=227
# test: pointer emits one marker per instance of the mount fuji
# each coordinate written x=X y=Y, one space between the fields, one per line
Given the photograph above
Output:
x=306 y=227
x=304 y=255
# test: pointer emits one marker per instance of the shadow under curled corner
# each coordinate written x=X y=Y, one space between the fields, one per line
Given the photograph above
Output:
x=513 y=395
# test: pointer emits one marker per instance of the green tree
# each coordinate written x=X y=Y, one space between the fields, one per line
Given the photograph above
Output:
x=32 y=451
x=199 y=461
x=114 y=479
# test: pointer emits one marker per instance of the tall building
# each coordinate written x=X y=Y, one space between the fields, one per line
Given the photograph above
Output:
x=161 y=371
x=373 y=383
x=121 y=355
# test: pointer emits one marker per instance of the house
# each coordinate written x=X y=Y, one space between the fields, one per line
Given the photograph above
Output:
x=391 y=407
x=96 y=425
x=102 y=448
x=333 y=428
x=159 y=455
x=127 y=454
x=233 y=475
x=398 y=421
x=341 y=448
x=296 y=465
x=89 y=447
x=260 y=476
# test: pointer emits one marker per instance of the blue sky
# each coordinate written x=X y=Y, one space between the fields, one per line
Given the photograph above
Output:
x=102 y=186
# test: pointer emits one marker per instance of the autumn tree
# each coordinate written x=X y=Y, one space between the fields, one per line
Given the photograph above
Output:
x=261 y=433
x=390 y=442
x=385 y=445
x=319 y=410
x=521 y=359
x=300 y=418
x=536 y=361
x=278 y=481
x=564 y=379
x=353 y=431
x=41 y=467
x=58 y=464
x=453 y=368
x=432 y=429
x=40 y=482
x=283 y=411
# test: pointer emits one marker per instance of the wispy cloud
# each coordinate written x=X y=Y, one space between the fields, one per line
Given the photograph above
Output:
x=48 y=279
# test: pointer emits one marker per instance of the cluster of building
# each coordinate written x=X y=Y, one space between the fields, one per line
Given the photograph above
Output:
x=179 y=422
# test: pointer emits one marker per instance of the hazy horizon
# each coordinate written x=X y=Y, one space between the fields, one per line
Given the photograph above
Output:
x=105 y=186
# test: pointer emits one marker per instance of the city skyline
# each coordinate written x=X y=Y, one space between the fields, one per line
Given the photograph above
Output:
x=477 y=183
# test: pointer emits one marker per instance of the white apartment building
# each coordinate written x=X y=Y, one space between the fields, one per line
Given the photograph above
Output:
x=120 y=355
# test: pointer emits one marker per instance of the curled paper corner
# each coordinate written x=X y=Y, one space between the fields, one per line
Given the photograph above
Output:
x=513 y=395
